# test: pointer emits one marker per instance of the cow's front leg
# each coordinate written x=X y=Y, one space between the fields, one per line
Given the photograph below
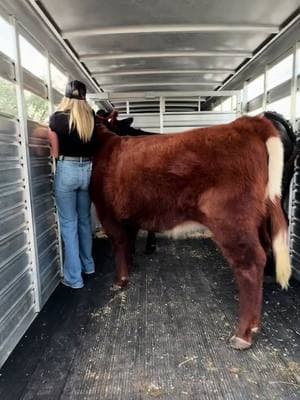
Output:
x=121 y=239
x=123 y=259
x=123 y=243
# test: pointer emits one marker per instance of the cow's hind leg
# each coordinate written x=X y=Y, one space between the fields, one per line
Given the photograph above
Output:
x=243 y=250
x=265 y=240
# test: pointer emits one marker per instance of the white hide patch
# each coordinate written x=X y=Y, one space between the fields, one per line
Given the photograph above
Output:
x=184 y=229
x=282 y=257
x=275 y=168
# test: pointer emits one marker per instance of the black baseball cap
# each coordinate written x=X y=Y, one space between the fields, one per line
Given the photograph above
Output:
x=75 y=90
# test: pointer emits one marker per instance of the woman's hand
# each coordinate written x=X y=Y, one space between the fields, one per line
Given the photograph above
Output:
x=53 y=143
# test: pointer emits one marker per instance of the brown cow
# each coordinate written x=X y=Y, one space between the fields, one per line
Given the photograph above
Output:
x=225 y=177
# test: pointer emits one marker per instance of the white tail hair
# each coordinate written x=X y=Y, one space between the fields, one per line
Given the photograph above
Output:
x=279 y=231
x=275 y=169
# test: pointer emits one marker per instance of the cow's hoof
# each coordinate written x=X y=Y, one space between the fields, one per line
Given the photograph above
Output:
x=122 y=282
x=115 y=287
x=239 y=343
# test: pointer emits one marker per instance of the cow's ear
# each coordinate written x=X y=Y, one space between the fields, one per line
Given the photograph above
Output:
x=102 y=113
x=127 y=121
x=113 y=116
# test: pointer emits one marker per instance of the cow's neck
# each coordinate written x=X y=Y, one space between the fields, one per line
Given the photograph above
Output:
x=104 y=140
x=103 y=134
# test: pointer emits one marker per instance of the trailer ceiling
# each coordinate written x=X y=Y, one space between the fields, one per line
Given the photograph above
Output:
x=138 y=45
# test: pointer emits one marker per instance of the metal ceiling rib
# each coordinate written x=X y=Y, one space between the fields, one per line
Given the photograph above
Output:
x=170 y=28
x=166 y=45
x=162 y=54
x=162 y=72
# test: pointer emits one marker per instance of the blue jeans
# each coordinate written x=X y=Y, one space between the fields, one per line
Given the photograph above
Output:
x=71 y=186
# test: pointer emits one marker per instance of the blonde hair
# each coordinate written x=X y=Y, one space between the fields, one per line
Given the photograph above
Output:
x=81 y=116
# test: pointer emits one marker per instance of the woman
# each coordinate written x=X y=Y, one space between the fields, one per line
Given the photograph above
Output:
x=71 y=131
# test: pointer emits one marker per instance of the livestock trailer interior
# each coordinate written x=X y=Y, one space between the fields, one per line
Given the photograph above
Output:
x=171 y=66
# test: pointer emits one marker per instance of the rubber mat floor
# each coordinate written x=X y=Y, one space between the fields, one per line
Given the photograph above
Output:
x=164 y=337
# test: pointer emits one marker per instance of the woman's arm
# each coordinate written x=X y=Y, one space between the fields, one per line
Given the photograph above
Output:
x=53 y=143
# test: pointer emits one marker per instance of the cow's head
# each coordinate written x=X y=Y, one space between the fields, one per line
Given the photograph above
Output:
x=120 y=127
x=106 y=117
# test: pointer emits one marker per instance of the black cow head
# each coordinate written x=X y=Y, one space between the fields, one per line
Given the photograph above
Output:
x=120 y=127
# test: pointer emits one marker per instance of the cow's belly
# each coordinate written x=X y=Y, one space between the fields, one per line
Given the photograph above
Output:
x=184 y=229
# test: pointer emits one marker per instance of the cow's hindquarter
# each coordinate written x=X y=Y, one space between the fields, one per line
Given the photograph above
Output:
x=234 y=211
x=241 y=230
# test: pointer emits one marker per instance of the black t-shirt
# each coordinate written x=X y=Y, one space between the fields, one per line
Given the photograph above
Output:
x=70 y=143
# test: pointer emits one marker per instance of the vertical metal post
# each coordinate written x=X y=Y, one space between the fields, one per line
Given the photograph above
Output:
x=127 y=107
x=161 y=113
x=294 y=83
x=199 y=104
x=25 y=160
x=241 y=100
x=49 y=86
x=53 y=165
x=265 y=94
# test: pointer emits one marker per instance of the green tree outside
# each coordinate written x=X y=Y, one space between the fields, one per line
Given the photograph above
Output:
x=8 y=98
x=36 y=107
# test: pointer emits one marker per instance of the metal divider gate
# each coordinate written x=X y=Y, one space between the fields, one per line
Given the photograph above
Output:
x=176 y=122
x=164 y=121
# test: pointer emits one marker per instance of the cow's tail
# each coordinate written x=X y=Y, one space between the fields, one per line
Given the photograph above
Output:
x=279 y=228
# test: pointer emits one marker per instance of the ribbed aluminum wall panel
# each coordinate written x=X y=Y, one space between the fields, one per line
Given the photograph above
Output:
x=17 y=303
x=43 y=209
